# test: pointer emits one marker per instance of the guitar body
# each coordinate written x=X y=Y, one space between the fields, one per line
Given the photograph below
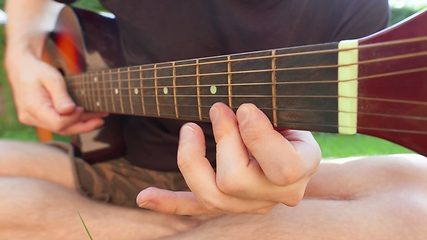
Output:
x=83 y=41
x=376 y=85
x=393 y=93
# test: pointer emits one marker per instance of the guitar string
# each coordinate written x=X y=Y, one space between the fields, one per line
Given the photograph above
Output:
x=279 y=122
x=87 y=76
x=315 y=52
x=284 y=123
x=289 y=123
x=232 y=72
x=88 y=89
x=164 y=105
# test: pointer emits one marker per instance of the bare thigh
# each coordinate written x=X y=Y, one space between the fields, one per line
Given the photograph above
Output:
x=381 y=197
x=350 y=178
x=36 y=160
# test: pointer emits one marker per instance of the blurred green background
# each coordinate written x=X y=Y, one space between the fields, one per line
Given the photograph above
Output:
x=332 y=145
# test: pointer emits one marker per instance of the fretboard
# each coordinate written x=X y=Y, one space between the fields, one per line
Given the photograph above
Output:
x=295 y=87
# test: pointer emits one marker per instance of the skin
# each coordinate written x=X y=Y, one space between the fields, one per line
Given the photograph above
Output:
x=261 y=175
x=39 y=92
x=42 y=100
x=277 y=166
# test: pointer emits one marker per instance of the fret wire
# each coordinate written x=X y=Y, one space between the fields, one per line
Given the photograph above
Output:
x=105 y=93
x=198 y=89
x=111 y=91
x=389 y=43
x=119 y=86
x=273 y=87
x=76 y=91
x=99 y=93
x=175 y=100
x=83 y=91
x=156 y=90
x=90 y=93
x=130 y=93
x=86 y=101
x=142 y=87
x=93 y=91
x=229 y=78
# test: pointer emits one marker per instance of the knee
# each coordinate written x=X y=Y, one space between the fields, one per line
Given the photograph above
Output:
x=12 y=158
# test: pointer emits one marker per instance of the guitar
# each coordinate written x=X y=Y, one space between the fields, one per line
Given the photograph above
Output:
x=376 y=85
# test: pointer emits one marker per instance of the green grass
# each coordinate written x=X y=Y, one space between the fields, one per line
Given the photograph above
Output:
x=332 y=145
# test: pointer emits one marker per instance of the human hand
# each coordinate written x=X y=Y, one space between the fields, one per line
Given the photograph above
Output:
x=41 y=97
x=257 y=166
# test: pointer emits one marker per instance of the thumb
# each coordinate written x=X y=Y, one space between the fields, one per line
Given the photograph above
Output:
x=169 y=202
x=54 y=83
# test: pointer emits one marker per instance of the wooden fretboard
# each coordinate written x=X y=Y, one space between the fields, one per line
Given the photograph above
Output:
x=295 y=87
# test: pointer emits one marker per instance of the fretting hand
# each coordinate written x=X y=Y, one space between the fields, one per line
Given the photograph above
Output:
x=257 y=166
x=41 y=97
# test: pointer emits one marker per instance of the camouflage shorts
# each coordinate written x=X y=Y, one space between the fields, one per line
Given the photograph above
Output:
x=118 y=182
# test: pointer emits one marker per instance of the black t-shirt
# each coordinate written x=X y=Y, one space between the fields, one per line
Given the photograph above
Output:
x=160 y=30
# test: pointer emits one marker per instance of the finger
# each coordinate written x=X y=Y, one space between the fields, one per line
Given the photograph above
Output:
x=90 y=115
x=185 y=203
x=200 y=176
x=179 y=203
x=82 y=127
x=196 y=169
x=46 y=116
x=227 y=137
x=306 y=145
x=276 y=156
x=54 y=83
x=232 y=155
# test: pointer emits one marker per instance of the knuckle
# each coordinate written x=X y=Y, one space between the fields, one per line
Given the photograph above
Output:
x=229 y=185
x=23 y=118
x=284 y=177
x=292 y=200
x=226 y=186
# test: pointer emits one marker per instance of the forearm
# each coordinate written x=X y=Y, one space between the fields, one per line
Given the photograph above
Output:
x=28 y=24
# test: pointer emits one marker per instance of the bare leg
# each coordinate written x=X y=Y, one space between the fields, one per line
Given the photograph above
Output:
x=371 y=198
x=34 y=160
x=39 y=201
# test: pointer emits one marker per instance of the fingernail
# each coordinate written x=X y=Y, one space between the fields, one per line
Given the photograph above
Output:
x=186 y=133
x=66 y=104
x=214 y=113
x=147 y=205
x=243 y=115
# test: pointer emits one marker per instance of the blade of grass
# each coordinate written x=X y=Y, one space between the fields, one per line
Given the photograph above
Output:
x=87 y=231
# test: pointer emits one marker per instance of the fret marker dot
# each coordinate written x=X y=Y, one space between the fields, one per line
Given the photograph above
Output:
x=213 y=89
x=136 y=91
x=83 y=92
x=95 y=79
x=165 y=90
x=116 y=91
x=98 y=104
